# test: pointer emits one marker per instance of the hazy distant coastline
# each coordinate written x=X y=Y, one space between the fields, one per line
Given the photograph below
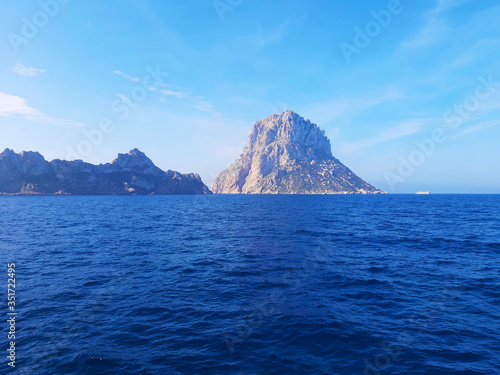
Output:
x=28 y=173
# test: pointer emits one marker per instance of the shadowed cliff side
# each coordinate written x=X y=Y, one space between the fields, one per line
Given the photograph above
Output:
x=28 y=173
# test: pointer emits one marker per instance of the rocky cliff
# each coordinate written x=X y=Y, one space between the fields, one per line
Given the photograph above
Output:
x=287 y=154
x=129 y=174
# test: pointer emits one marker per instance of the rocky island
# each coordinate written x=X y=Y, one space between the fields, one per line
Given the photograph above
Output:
x=287 y=154
x=28 y=173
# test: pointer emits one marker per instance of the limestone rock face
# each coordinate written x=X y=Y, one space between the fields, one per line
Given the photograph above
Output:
x=287 y=154
x=129 y=174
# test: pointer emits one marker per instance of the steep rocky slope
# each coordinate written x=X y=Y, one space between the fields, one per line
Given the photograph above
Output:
x=287 y=154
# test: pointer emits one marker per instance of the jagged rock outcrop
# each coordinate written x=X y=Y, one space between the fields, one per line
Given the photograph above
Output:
x=129 y=174
x=287 y=154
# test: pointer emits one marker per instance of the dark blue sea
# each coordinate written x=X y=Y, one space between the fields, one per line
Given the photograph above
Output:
x=397 y=284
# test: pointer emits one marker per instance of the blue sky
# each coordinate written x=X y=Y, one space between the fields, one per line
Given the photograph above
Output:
x=72 y=83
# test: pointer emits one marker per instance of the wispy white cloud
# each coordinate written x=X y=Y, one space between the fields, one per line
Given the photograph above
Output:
x=123 y=97
x=490 y=106
x=11 y=105
x=472 y=43
x=487 y=109
x=328 y=111
x=476 y=128
x=203 y=105
x=475 y=52
x=198 y=102
x=436 y=28
x=26 y=71
x=126 y=76
x=263 y=38
x=444 y=5
x=15 y=106
x=402 y=130
x=434 y=31
x=177 y=94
